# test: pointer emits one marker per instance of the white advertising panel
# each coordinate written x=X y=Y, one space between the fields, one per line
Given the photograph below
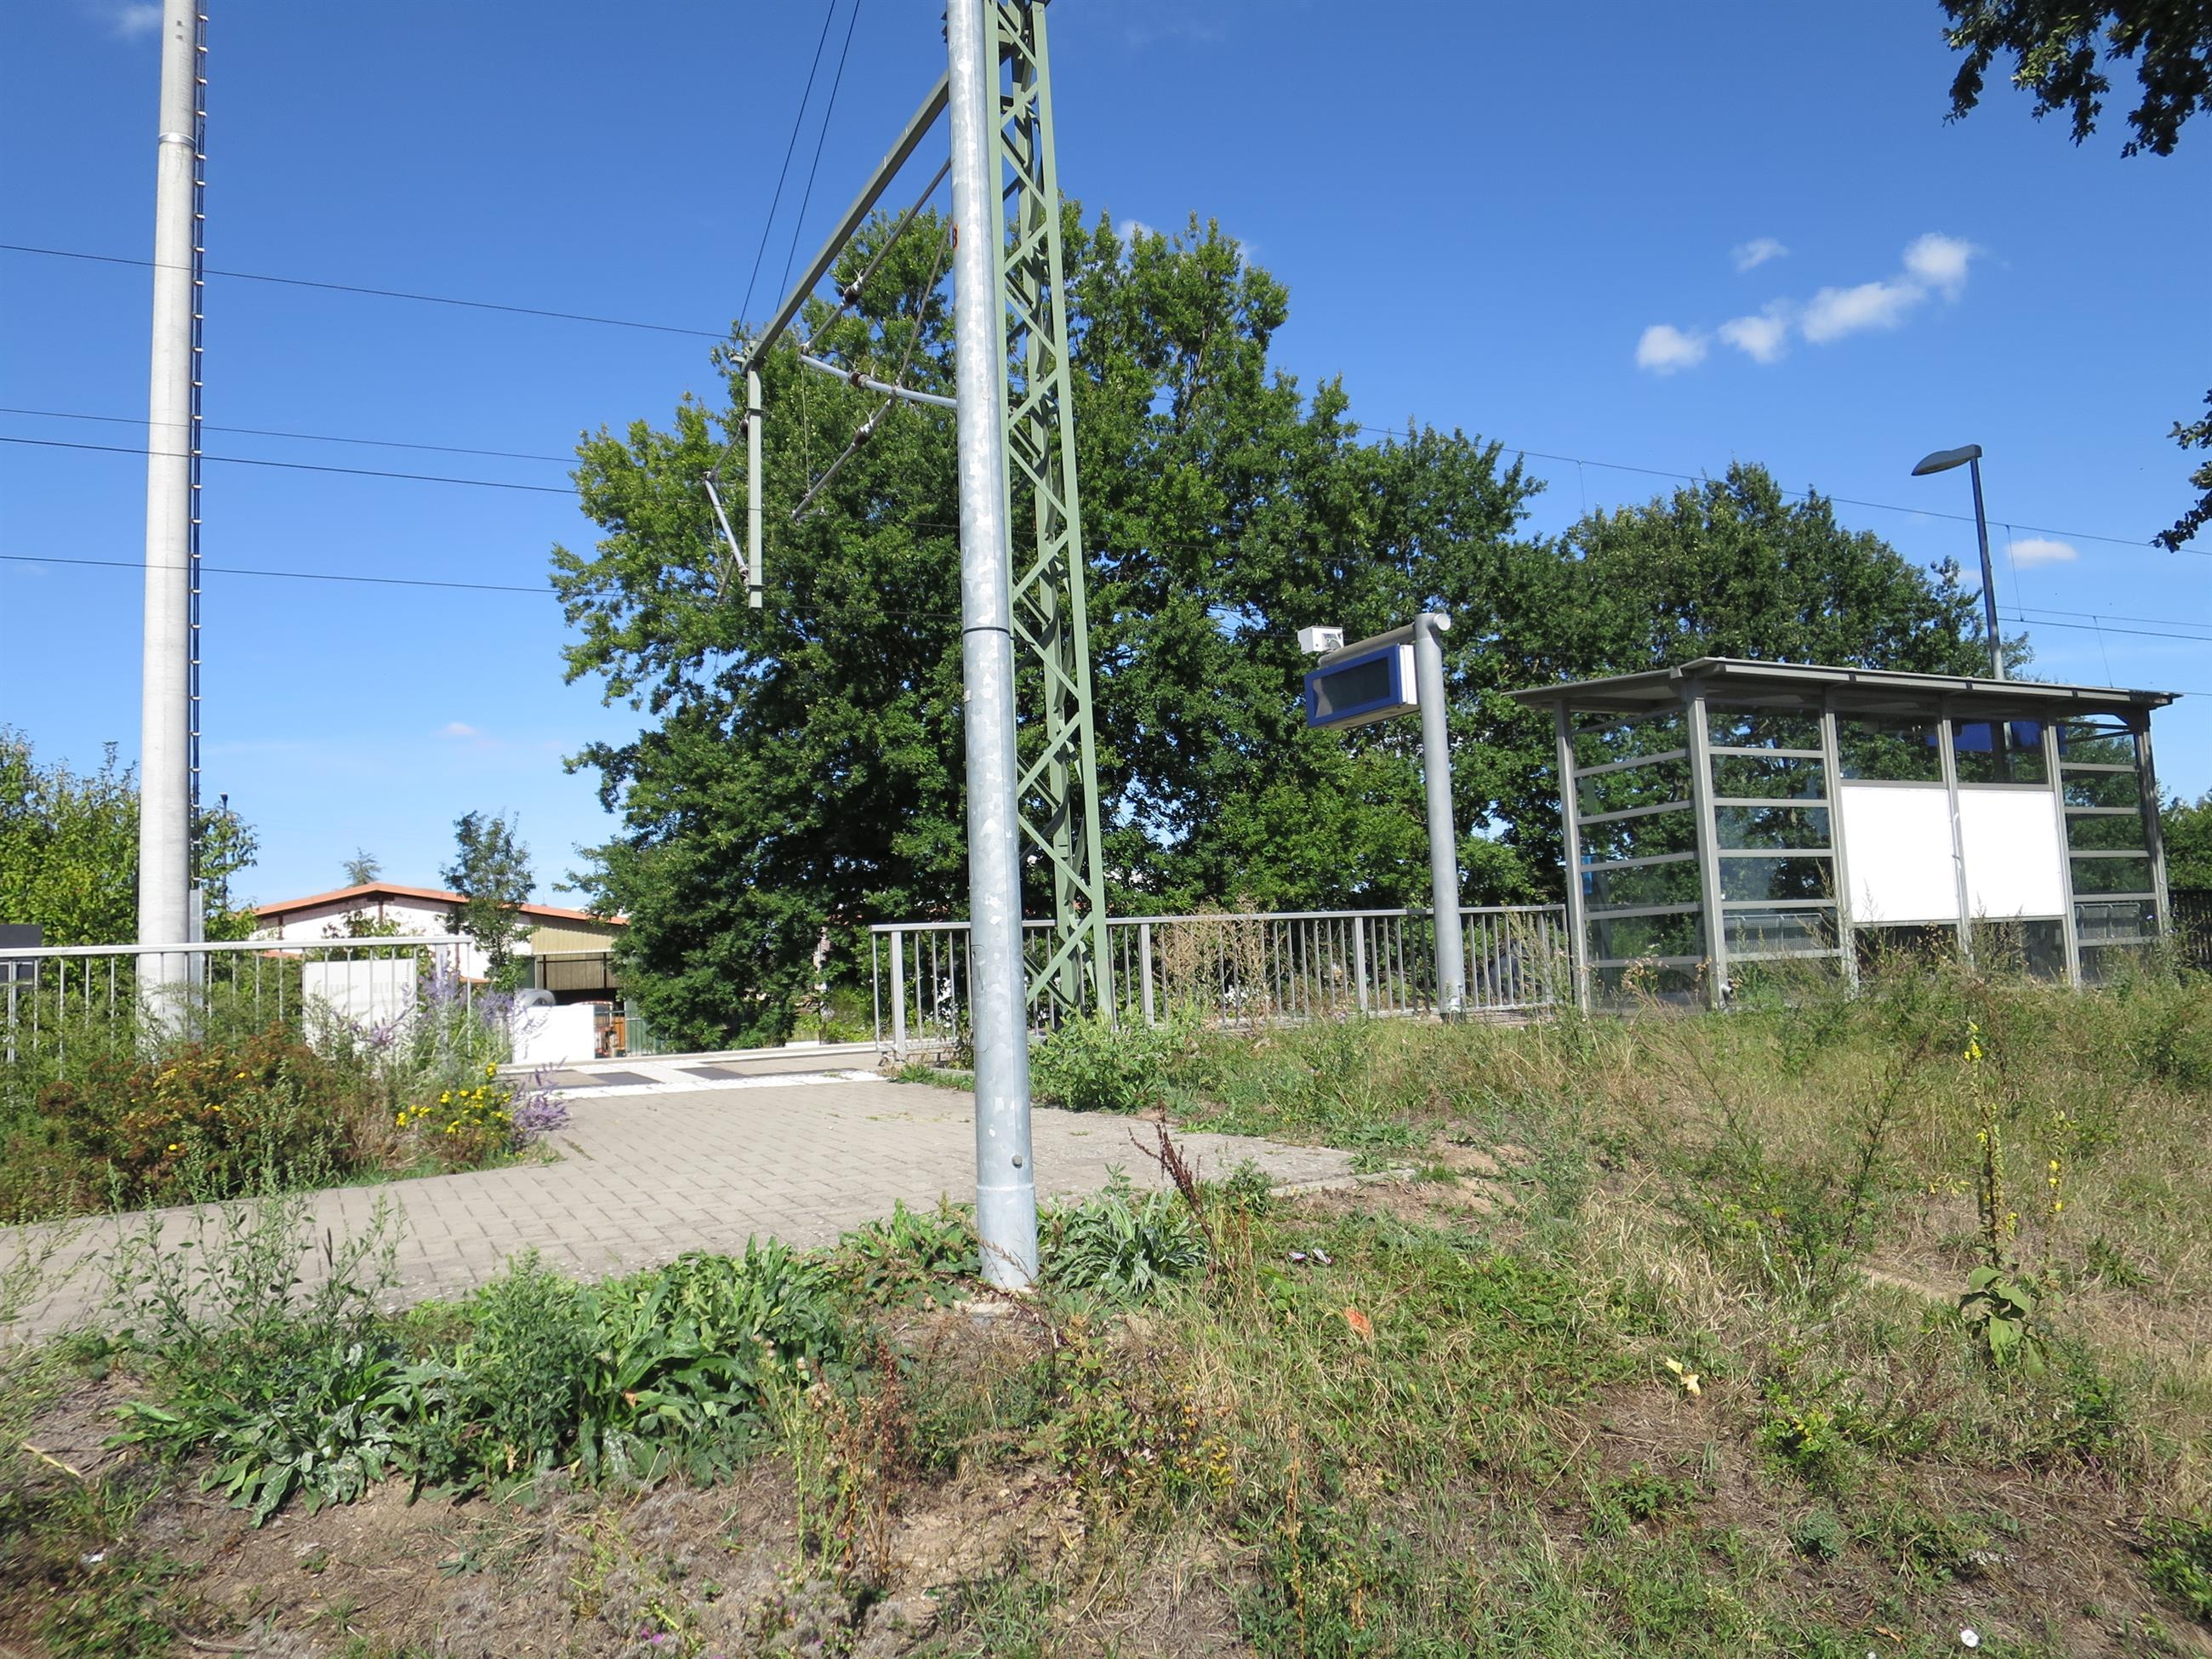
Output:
x=1896 y=840
x=2011 y=842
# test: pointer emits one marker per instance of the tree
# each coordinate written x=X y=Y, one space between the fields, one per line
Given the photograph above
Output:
x=68 y=851
x=360 y=869
x=2186 y=828
x=803 y=767
x=2055 y=45
x=491 y=872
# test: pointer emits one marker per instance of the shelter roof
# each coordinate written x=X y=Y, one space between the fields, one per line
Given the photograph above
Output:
x=1740 y=681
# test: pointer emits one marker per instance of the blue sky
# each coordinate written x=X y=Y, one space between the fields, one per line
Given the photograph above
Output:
x=1647 y=237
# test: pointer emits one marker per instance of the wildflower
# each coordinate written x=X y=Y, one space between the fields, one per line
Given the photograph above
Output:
x=175 y=1147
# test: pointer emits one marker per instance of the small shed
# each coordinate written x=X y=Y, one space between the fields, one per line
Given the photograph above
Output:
x=1726 y=815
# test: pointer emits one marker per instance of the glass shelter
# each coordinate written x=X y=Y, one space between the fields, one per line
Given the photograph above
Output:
x=1727 y=817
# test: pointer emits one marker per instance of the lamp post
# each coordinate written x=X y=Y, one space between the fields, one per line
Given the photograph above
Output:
x=1970 y=457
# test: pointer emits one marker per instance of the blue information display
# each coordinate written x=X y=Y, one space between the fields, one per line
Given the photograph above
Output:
x=1374 y=686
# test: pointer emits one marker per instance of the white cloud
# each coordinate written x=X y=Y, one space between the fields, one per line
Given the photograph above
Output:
x=126 y=20
x=1749 y=256
x=459 y=729
x=2042 y=550
x=1761 y=339
x=1663 y=348
x=1940 y=261
x=1837 y=312
x=1130 y=229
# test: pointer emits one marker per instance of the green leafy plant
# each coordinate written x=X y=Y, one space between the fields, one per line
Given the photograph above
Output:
x=1089 y=1066
x=910 y=1253
x=1120 y=1245
x=2179 y=1562
x=1996 y=1307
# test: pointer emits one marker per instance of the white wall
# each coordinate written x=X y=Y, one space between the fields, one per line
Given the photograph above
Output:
x=1897 y=838
x=2011 y=840
x=418 y=918
x=547 y=1035
x=368 y=993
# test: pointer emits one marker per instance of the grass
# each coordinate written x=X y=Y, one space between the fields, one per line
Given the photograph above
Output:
x=1657 y=1351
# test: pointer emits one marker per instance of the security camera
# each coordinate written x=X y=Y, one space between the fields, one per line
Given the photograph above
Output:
x=1320 y=642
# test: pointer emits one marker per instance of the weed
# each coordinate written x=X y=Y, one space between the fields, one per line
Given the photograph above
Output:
x=1121 y=1246
x=2178 y=1562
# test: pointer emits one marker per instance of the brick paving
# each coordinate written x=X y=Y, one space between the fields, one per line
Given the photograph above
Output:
x=644 y=1176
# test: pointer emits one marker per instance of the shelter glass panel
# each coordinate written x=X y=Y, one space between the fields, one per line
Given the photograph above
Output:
x=2096 y=832
x=1909 y=752
x=1762 y=728
x=1778 y=777
x=2102 y=921
x=2111 y=875
x=1679 y=933
x=1639 y=838
x=1784 y=828
x=1999 y=751
x=1913 y=945
x=2102 y=788
x=1647 y=982
x=1766 y=879
x=1641 y=885
x=1599 y=738
x=1796 y=932
x=2096 y=740
x=2036 y=948
x=1654 y=783
x=2112 y=964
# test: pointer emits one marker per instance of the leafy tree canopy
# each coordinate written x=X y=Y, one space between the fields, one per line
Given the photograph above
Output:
x=68 y=851
x=802 y=765
x=2185 y=827
x=491 y=872
x=2061 y=52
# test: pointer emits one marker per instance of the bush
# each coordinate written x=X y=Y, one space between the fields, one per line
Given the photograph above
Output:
x=209 y=1119
x=2180 y=1563
x=1088 y=1066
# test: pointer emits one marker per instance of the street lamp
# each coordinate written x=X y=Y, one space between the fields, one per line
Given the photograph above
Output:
x=1970 y=457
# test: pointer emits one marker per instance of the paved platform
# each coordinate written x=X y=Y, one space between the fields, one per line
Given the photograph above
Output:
x=646 y=1173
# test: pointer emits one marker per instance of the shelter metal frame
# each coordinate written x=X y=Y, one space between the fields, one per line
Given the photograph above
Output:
x=1701 y=812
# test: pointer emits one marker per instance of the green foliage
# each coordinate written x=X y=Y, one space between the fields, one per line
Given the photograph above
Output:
x=2179 y=1562
x=1997 y=1307
x=910 y=1253
x=2185 y=829
x=68 y=851
x=1818 y=1535
x=491 y=872
x=1088 y=1064
x=802 y=770
x=1120 y=1245
x=2055 y=46
x=206 y=1120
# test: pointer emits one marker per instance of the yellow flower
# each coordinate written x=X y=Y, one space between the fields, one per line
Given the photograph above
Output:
x=175 y=1147
x=401 y=1120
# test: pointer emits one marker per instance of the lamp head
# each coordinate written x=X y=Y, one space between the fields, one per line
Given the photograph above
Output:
x=1944 y=459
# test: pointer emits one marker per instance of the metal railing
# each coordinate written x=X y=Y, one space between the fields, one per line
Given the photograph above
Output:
x=1237 y=969
x=60 y=1004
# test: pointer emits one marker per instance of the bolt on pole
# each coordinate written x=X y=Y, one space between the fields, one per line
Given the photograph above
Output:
x=164 y=741
x=1443 y=833
x=1005 y=1180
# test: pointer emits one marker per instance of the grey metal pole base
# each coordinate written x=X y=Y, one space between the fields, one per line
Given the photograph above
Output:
x=1005 y=1181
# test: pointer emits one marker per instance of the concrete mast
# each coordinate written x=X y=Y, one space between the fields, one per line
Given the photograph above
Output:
x=1005 y=1179
x=165 y=741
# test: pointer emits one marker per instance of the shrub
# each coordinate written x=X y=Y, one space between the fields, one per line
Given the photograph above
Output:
x=209 y=1119
x=2180 y=1563
x=1087 y=1065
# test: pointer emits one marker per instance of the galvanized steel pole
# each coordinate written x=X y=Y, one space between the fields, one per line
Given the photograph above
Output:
x=1005 y=1181
x=1443 y=832
x=754 y=487
x=1989 y=575
x=164 y=738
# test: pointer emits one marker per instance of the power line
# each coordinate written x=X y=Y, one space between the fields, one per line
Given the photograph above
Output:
x=295 y=575
x=791 y=145
x=304 y=437
x=2143 y=543
x=820 y=137
x=304 y=466
x=378 y=293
